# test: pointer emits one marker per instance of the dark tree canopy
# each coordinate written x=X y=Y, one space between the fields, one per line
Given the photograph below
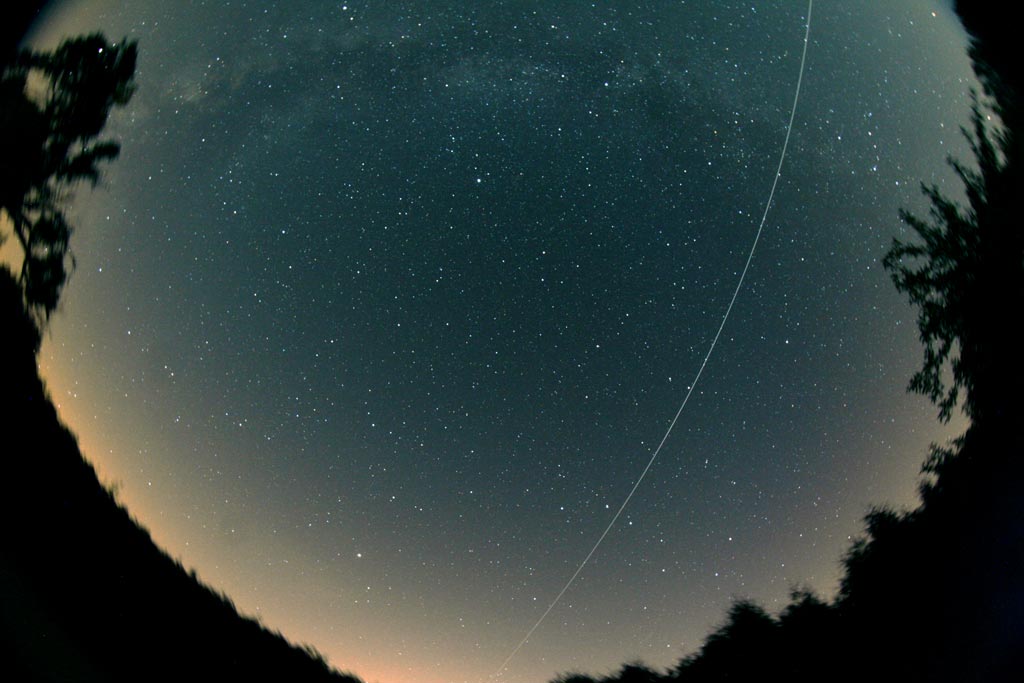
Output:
x=994 y=51
x=966 y=272
x=935 y=593
x=53 y=107
x=964 y=275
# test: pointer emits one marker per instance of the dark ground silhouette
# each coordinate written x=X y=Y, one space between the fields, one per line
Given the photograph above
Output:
x=931 y=594
x=935 y=593
x=15 y=19
x=85 y=594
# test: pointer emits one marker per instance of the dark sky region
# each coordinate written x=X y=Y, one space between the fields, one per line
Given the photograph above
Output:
x=384 y=306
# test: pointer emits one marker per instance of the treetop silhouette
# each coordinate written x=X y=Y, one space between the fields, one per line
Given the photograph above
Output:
x=965 y=277
x=53 y=107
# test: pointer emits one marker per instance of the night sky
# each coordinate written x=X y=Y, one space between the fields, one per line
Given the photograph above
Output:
x=384 y=307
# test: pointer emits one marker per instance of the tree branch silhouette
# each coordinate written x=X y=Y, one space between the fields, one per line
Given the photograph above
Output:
x=964 y=274
x=53 y=108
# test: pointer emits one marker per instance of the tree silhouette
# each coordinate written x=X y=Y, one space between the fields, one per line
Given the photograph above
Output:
x=935 y=593
x=966 y=274
x=53 y=107
x=994 y=55
x=739 y=650
x=86 y=594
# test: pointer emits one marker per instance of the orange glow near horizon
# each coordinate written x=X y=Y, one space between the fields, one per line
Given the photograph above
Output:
x=372 y=664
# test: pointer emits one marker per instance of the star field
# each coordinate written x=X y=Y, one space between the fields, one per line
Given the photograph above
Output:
x=384 y=307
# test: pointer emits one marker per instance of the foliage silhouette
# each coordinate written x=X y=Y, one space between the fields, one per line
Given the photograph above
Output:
x=931 y=594
x=738 y=650
x=573 y=677
x=53 y=107
x=935 y=593
x=17 y=17
x=964 y=275
x=85 y=593
x=994 y=51
x=634 y=672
